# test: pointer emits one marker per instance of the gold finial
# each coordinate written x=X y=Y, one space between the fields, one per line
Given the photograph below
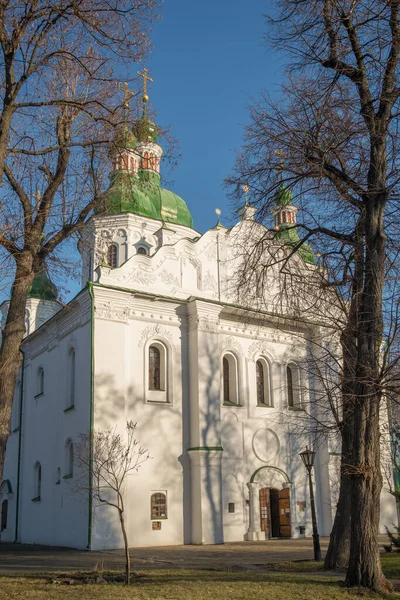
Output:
x=145 y=97
x=38 y=195
x=281 y=157
x=218 y=212
x=246 y=189
x=127 y=94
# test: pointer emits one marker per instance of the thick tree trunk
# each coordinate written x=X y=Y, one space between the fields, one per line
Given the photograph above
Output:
x=9 y=353
x=338 y=552
x=364 y=564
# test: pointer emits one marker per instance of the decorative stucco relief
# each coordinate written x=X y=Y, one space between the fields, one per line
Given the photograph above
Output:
x=169 y=278
x=153 y=331
x=265 y=444
x=209 y=283
x=109 y=311
x=203 y=323
x=230 y=343
x=210 y=251
x=259 y=347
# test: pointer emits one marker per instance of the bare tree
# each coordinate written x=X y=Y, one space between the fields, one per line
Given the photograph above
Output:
x=59 y=63
x=337 y=122
x=109 y=458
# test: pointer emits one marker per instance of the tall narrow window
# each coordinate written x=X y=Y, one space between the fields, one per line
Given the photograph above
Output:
x=40 y=382
x=290 y=387
x=71 y=378
x=69 y=459
x=126 y=161
x=146 y=160
x=225 y=368
x=154 y=368
x=260 y=382
x=158 y=506
x=112 y=255
x=38 y=482
x=4 y=514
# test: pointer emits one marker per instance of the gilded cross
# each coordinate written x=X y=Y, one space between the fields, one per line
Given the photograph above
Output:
x=281 y=157
x=145 y=79
x=127 y=93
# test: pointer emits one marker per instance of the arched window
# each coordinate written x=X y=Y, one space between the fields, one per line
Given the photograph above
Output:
x=4 y=514
x=263 y=383
x=293 y=387
x=112 y=255
x=145 y=160
x=37 y=491
x=71 y=378
x=142 y=250
x=154 y=368
x=69 y=459
x=230 y=391
x=40 y=382
x=58 y=476
x=158 y=504
x=126 y=161
x=132 y=163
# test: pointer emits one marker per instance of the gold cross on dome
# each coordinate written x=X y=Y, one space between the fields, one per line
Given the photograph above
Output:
x=127 y=93
x=145 y=79
x=281 y=157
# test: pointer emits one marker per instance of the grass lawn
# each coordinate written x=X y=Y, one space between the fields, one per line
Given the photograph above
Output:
x=390 y=566
x=187 y=585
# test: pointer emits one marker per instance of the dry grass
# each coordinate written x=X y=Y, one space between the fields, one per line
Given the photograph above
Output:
x=193 y=585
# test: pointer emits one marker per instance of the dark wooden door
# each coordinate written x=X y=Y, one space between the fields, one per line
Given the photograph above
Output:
x=265 y=515
x=285 y=529
x=274 y=504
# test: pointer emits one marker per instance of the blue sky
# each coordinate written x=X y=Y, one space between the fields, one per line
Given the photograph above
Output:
x=208 y=59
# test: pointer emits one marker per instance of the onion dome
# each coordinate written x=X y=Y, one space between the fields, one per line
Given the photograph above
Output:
x=124 y=138
x=145 y=130
x=284 y=214
x=42 y=287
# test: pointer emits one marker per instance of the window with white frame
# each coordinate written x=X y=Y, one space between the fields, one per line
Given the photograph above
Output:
x=293 y=386
x=157 y=372
x=230 y=380
x=69 y=459
x=263 y=382
x=37 y=485
x=39 y=382
x=71 y=382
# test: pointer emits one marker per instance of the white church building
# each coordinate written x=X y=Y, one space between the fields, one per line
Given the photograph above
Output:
x=161 y=334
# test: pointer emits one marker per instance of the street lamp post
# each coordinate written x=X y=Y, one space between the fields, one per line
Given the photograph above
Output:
x=307 y=456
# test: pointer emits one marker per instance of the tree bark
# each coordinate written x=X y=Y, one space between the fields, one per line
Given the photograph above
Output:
x=11 y=340
x=366 y=478
x=126 y=546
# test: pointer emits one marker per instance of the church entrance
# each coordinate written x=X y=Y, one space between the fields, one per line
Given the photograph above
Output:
x=275 y=512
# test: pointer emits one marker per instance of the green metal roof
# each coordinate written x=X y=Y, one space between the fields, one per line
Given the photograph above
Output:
x=42 y=287
x=283 y=196
x=143 y=195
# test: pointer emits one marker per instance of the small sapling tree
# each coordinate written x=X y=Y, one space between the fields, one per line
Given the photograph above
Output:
x=109 y=457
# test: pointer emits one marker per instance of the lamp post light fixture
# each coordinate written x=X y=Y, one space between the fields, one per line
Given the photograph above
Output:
x=307 y=456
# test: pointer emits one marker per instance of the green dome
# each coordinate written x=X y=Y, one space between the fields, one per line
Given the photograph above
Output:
x=143 y=195
x=124 y=138
x=42 y=287
x=145 y=130
x=283 y=196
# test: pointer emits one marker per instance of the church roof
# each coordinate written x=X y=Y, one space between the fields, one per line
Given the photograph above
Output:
x=142 y=195
x=42 y=287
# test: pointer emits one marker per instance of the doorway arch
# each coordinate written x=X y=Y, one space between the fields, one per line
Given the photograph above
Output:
x=269 y=504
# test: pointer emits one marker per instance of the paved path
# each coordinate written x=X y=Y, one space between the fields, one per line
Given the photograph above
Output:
x=21 y=558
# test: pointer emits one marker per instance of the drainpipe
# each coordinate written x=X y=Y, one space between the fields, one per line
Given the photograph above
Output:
x=21 y=397
x=91 y=416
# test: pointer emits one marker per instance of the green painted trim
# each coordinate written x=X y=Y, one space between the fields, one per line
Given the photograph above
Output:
x=8 y=483
x=262 y=405
x=207 y=448
x=296 y=409
x=68 y=476
x=72 y=407
x=37 y=499
x=232 y=404
x=335 y=453
x=91 y=415
x=19 y=447
x=252 y=478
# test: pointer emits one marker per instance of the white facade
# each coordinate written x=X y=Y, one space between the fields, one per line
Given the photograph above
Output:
x=88 y=366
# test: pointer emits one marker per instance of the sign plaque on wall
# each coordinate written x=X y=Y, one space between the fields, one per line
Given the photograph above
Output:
x=156 y=525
